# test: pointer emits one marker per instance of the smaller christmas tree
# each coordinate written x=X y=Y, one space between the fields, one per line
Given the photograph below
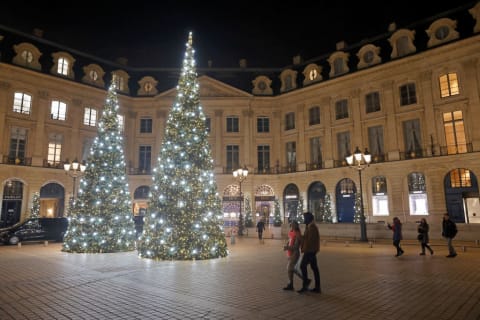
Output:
x=35 y=210
x=327 y=209
x=358 y=208
x=248 y=213
x=277 y=216
x=299 y=216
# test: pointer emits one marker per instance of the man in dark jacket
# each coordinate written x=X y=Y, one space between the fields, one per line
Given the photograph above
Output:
x=310 y=247
x=449 y=231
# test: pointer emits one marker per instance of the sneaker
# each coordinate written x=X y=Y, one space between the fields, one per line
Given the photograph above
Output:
x=400 y=253
x=288 y=288
x=452 y=255
x=422 y=253
x=431 y=252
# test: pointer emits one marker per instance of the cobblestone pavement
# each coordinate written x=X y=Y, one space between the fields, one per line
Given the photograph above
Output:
x=358 y=282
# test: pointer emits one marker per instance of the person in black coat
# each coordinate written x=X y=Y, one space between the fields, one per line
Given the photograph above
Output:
x=449 y=231
x=423 y=229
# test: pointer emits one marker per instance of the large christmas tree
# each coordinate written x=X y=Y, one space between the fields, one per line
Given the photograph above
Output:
x=184 y=216
x=100 y=220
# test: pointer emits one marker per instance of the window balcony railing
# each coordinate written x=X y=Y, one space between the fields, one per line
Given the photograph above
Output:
x=17 y=161
x=456 y=149
x=139 y=171
x=408 y=155
x=314 y=166
x=54 y=165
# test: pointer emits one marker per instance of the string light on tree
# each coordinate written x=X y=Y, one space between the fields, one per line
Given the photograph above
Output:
x=101 y=219
x=184 y=218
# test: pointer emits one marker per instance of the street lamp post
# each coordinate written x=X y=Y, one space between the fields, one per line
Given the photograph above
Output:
x=74 y=170
x=241 y=175
x=355 y=162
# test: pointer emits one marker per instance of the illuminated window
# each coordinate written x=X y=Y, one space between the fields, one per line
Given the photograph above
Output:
x=460 y=178
x=22 y=103
x=54 y=149
x=58 y=110
x=417 y=194
x=454 y=132
x=379 y=196
x=449 y=85
x=90 y=117
x=27 y=56
x=62 y=66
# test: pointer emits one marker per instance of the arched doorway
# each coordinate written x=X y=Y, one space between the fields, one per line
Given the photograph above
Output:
x=345 y=193
x=462 y=196
x=140 y=206
x=264 y=204
x=11 y=203
x=291 y=196
x=316 y=200
x=52 y=200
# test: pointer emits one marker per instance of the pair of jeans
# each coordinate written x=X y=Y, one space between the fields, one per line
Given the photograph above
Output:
x=310 y=258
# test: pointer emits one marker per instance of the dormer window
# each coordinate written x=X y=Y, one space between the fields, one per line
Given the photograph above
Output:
x=27 y=55
x=120 y=78
x=402 y=43
x=93 y=74
x=338 y=63
x=63 y=64
x=442 y=31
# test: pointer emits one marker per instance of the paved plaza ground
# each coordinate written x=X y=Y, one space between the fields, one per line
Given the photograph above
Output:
x=359 y=281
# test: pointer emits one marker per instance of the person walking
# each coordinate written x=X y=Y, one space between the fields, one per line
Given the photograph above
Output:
x=260 y=229
x=293 y=253
x=397 y=235
x=310 y=247
x=423 y=229
x=449 y=231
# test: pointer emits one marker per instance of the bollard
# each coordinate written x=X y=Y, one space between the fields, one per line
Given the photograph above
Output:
x=45 y=243
x=19 y=245
x=370 y=244
x=324 y=242
x=476 y=242
x=347 y=243
x=464 y=248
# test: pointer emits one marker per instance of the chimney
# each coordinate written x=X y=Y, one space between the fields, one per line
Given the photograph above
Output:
x=122 y=60
x=297 y=59
x=38 y=32
x=341 y=45
x=392 y=27
x=243 y=63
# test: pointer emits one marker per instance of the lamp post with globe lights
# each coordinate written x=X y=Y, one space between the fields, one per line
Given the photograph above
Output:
x=74 y=169
x=240 y=175
x=359 y=161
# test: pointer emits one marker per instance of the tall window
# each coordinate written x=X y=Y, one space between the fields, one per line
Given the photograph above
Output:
x=314 y=116
x=263 y=124
x=343 y=145
x=58 y=110
x=341 y=109
x=22 y=103
x=291 y=148
x=375 y=142
x=87 y=145
x=145 y=158
x=372 y=102
x=146 y=125
x=408 y=94
x=54 y=149
x=290 y=121
x=232 y=124
x=417 y=194
x=315 y=152
x=412 y=136
x=379 y=196
x=233 y=162
x=449 y=85
x=121 y=122
x=263 y=155
x=18 y=141
x=62 y=66
x=90 y=117
x=454 y=132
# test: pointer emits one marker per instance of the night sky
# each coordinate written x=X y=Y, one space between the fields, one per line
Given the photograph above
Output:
x=266 y=33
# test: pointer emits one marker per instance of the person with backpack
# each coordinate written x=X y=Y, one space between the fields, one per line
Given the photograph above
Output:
x=449 y=231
